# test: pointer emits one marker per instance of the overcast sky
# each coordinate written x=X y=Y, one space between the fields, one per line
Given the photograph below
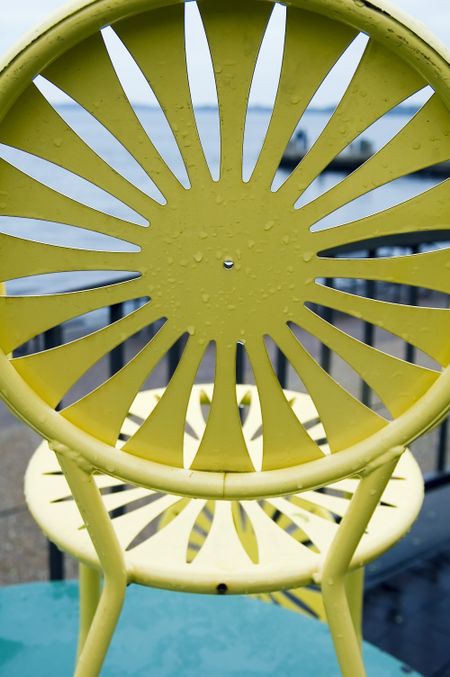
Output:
x=19 y=16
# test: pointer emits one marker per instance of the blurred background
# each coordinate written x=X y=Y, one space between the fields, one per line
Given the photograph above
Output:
x=408 y=590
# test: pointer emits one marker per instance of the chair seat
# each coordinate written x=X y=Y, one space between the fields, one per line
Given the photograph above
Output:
x=221 y=546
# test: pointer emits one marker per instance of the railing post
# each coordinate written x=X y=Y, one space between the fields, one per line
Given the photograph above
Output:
x=116 y=362
x=328 y=315
x=369 y=329
x=441 y=464
x=240 y=364
x=174 y=358
x=282 y=368
x=410 y=352
x=117 y=354
x=53 y=338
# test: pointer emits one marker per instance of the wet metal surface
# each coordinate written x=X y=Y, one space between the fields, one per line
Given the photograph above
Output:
x=168 y=634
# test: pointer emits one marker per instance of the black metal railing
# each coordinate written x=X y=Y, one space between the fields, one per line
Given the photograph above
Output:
x=413 y=243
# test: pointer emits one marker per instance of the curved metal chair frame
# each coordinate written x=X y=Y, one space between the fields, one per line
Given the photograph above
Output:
x=225 y=262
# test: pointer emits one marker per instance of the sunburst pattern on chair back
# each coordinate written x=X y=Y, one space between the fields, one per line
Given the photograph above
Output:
x=222 y=264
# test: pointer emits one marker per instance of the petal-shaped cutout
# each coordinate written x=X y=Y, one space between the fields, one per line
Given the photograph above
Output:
x=425 y=328
x=264 y=88
x=160 y=438
x=47 y=204
x=303 y=600
x=223 y=446
x=202 y=86
x=319 y=530
x=32 y=125
x=398 y=384
x=194 y=414
x=200 y=530
x=380 y=83
x=428 y=211
x=52 y=372
x=285 y=523
x=336 y=505
x=19 y=258
x=129 y=526
x=150 y=523
x=313 y=44
x=103 y=410
x=253 y=422
x=156 y=42
x=23 y=317
x=125 y=497
x=234 y=31
x=285 y=441
x=429 y=270
x=424 y=141
x=245 y=530
x=86 y=74
x=345 y=419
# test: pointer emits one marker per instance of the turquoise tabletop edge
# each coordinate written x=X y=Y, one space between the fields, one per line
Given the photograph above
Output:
x=159 y=632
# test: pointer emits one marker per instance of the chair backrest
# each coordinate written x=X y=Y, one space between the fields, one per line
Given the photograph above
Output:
x=224 y=263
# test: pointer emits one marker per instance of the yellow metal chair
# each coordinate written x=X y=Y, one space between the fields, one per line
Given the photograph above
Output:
x=224 y=262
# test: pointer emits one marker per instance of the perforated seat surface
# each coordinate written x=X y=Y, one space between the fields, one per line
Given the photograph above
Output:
x=198 y=544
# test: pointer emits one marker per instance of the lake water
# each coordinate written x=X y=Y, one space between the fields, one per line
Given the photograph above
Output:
x=153 y=121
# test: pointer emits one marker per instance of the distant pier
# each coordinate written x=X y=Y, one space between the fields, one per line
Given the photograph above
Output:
x=350 y=159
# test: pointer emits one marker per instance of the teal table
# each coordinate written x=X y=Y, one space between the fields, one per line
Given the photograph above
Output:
x=164 y=633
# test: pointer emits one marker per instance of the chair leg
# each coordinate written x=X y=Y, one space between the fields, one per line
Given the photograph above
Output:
x=340 y=622
x=90 y=587
x=110 y=554
x=354 y=585
x=336 y=568
x=101 y=631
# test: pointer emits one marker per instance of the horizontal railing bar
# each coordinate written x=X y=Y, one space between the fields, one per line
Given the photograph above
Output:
x=436 y=479
x=438 y=237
